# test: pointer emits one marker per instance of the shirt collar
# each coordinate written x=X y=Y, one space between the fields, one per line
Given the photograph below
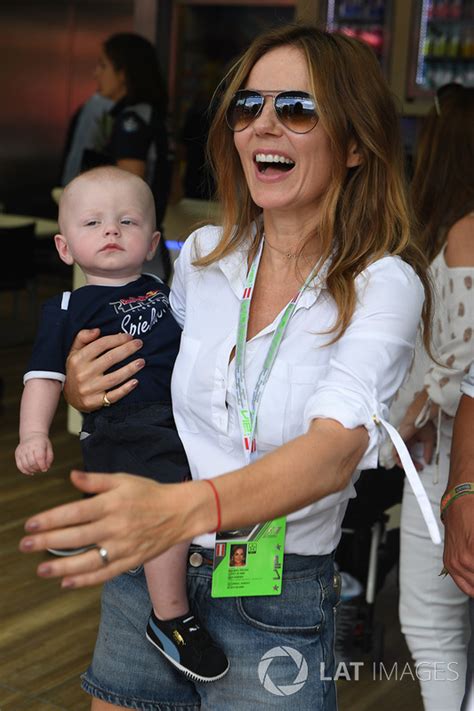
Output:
x=234 y=266
x=317 y=284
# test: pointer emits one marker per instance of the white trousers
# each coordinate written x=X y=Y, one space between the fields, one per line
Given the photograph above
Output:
x=433 y=611
x=468 y=702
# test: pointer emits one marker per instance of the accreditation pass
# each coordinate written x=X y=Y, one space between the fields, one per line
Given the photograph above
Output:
x=249 y=561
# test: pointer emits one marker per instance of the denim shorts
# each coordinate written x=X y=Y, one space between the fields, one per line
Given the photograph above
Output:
x=280 y=648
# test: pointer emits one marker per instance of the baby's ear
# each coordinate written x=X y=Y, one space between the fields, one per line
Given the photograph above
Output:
x=153 y=245
x=63 y=249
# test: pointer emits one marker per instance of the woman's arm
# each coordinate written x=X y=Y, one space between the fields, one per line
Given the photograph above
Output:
x=459 y=516
x=460 y=243
x=156 y=516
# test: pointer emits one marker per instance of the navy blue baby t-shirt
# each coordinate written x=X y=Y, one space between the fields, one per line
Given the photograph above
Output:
x=140 y=308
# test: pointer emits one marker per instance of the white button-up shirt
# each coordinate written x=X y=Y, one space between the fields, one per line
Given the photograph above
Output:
x=350 y=381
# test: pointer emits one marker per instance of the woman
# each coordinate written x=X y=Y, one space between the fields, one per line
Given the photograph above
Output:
x=238 y=558
x=433 y=611
x=133 y=134
x=307 y=156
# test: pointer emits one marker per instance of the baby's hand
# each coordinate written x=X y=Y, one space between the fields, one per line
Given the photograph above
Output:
x=34 y=454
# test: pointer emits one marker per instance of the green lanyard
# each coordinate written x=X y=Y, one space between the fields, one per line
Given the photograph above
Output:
x=248 y=415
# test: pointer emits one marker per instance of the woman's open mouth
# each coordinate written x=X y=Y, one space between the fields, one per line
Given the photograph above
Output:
x=274 y=162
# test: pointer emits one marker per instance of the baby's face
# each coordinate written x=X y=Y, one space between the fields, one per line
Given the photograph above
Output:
x=107 y=228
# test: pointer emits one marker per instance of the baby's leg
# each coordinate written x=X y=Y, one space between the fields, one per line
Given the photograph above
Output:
x=166 y=579
x=172 y=628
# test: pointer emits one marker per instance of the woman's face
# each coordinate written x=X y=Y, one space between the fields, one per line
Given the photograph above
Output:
x=238 y=556
x=110 y=81
x=299 y=190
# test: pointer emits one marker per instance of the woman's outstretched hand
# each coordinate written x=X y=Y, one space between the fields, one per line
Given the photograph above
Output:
x=89 y=358
x=132 y=518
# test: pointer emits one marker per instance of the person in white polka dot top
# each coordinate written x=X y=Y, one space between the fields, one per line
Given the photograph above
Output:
x=433 y=610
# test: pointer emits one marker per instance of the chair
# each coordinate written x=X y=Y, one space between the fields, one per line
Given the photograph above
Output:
x=18 y=265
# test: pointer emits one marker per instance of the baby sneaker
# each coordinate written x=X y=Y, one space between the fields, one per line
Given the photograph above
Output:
x=188 y=647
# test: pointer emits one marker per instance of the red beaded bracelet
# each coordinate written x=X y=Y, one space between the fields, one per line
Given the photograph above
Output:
x=218 y=504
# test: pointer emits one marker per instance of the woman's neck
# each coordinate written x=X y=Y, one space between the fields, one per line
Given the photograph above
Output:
x=288 y=245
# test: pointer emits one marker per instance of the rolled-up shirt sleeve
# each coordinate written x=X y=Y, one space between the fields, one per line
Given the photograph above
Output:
x=370 y=361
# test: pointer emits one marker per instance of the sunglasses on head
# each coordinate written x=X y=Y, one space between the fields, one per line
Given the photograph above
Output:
x=295 y=109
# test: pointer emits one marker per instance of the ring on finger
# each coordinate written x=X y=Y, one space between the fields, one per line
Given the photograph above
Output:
x=104 y=555
x=105 y=401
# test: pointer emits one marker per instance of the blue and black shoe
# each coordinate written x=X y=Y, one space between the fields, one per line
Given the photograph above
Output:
x=188 y=647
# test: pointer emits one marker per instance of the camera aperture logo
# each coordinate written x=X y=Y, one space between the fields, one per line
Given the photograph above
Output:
x=298 y=661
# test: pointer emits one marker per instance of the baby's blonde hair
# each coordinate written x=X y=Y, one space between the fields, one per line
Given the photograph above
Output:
x=111 y=174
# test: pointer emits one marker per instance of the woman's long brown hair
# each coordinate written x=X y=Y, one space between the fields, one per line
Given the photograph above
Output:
x=366 y=214
x=443 y=181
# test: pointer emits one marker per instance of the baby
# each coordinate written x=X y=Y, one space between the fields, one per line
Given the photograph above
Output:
x=107 y=224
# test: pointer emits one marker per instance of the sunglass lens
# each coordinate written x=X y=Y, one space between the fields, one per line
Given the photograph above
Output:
x=296 y=111
x=244 y=108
